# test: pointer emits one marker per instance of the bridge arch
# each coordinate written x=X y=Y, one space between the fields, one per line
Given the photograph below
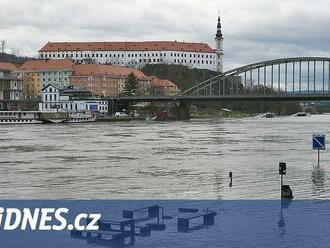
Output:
x=285 y=76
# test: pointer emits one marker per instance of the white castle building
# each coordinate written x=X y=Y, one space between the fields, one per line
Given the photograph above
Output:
x=138 y=54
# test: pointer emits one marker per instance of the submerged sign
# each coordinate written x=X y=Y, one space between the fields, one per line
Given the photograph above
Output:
x=319 y=142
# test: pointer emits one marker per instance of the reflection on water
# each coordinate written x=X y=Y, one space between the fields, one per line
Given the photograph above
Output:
x=168 y=160
x=282 y=224
x=219 y=184
x=318 y=176
x=318 y=180
x=285 y=204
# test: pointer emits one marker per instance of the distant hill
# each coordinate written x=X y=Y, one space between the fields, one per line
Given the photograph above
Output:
x=10 y=58
x=182 y=76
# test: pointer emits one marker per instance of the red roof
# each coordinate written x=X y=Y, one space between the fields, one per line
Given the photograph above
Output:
x=128 y=46
x=48 y=64
x=97 y=69
x=8 y=66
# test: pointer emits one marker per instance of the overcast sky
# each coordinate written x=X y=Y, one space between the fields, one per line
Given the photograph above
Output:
x=253 y=29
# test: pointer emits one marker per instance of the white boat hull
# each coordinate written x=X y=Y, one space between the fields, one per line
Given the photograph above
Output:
x=80 y=120
x=19 y=117
x=36 y=117
x=14 y=122
x=73 y=118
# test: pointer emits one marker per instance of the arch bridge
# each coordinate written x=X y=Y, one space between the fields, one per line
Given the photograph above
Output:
x=300 y=78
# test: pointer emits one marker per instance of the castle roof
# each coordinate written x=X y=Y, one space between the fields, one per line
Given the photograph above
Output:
x=127 y=46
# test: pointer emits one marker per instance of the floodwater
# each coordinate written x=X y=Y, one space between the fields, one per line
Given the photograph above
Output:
x=164 y=160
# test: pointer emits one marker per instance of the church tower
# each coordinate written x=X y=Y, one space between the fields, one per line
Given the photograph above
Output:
x=219 y=47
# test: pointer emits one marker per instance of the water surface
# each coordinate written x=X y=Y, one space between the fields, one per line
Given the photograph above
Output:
x=163 y=160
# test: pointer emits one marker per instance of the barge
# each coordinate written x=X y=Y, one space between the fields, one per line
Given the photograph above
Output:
x=39 y=117
x=20 y=117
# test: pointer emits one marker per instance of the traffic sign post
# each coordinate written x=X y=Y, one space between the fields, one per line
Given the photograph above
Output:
x=231 y=179
x=286 y=192
x=318 y=144
x=282 y=171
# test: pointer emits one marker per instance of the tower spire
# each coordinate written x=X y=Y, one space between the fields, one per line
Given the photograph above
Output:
x=219 y=33
x=219 y=46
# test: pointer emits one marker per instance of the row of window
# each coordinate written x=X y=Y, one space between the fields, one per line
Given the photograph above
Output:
x=194 y=61
x=96 y=86
x=112 y=80
x=54 y=73
x=51 y=97
x=17 y=121
x=11 y=114
x=183 y=61
x=101 y=55
x=70 y=106
x=55 y=79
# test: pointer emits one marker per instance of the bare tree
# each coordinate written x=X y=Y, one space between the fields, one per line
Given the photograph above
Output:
x=16 y=51
x=2 y=46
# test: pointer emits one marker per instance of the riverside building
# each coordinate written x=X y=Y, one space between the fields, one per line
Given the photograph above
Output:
x=106 y=80
x=55 y=99
x=11 y=90
x=40 y=73
x=138 y=54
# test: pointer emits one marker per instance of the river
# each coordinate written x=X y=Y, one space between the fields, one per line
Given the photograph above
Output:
x=164 y=160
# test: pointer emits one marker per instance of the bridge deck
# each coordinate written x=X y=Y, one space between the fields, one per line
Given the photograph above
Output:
x=214 y=98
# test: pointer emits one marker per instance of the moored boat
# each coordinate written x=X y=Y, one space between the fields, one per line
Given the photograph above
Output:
x=55 y=117
x=267 y=115
x=301 y=114
x=80 y=118
x=39 y=117
x=20 y=117
x=66 y=117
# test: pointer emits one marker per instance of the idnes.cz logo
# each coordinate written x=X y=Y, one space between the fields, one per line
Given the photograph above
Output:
x=46 y=219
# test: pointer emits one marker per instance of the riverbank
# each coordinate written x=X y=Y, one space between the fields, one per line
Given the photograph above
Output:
x=194 y=115
x=117 y=119
x=219 y=114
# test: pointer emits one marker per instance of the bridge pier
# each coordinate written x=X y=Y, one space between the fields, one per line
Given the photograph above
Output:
x=115 y=105
x=181 y=111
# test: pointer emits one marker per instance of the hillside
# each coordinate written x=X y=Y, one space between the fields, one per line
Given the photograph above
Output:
x=10 y=58
x=182 y=76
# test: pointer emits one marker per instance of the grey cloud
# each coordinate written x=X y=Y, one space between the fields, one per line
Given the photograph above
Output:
x=253 y=30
